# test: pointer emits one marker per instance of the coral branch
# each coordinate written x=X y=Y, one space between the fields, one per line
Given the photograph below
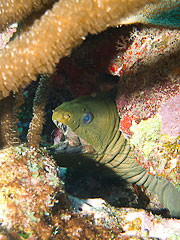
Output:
x=16 y=10
x=10 y=108
x=36 y=125
x=54 y=35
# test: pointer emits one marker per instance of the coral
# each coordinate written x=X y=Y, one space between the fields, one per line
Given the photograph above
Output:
x=148 y=98
x=15 y=11
x=132 y=222
x=10 y=107
x=36 y=124
x=146 y=135
x=142 y=224
x=29 y=184
x=169 y=166
x=54 y=35
x=147 y=74
x=170 y=115
x=33 y=204
x=148 y=46
x=75 y=226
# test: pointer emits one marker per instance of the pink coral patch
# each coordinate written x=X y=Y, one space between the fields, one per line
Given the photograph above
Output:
x=170 y=114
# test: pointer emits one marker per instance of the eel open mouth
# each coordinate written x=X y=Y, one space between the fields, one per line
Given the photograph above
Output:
x=67 y=142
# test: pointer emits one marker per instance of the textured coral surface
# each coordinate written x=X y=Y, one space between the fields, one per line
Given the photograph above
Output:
x=148 y=98
x=67 y=23
x=29 y=184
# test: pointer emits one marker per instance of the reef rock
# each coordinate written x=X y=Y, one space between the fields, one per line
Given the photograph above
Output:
x=29 y=183
x=148 y=100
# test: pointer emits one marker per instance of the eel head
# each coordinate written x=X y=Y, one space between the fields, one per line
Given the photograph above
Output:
x=85 y=126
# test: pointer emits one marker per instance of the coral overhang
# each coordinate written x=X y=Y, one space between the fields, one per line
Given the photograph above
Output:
x=53 y=36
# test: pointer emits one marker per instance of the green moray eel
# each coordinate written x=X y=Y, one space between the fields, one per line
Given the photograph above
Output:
x=92 y=140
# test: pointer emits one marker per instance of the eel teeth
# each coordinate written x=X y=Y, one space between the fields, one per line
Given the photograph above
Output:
x=60 y=125
x=64 y=128
x=55 y=122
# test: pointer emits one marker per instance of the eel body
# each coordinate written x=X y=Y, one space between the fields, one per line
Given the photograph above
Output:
x=93 y=141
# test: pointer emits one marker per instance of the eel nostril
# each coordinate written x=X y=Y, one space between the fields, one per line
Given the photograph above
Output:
x=66 y=116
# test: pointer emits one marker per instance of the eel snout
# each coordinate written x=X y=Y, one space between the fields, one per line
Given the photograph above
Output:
x=67 y=142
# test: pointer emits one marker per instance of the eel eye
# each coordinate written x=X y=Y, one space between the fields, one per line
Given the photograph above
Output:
x=87 y=118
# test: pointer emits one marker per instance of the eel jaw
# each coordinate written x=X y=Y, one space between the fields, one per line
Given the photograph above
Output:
x=69 y=142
